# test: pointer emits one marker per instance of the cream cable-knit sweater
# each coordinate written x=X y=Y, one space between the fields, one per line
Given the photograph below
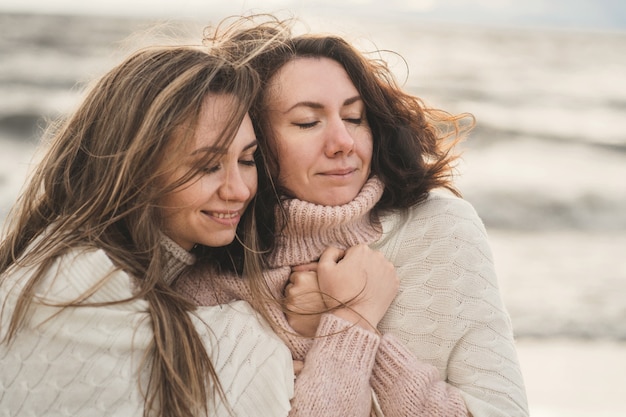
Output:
x=448 y=313
x=85 y=361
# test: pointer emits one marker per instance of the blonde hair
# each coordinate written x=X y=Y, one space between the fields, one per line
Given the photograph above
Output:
x=98 y=184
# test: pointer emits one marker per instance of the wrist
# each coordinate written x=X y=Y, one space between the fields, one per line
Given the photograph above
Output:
x=354 y=317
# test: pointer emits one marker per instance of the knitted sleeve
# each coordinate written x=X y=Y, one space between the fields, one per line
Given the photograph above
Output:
x=448 y=313
x=336 y=373
x=406 y=386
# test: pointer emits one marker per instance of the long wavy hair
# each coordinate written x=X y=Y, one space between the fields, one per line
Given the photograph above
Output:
x=414 y=145
x=98 y=186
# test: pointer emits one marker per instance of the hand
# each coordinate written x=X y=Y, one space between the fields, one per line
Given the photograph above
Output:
x=361 y=283
x=303 y=300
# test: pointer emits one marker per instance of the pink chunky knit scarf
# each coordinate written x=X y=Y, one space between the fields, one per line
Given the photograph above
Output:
x=311 y=228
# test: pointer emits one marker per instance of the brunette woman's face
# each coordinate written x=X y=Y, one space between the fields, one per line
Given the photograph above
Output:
x=207 y=209
x=323 y=140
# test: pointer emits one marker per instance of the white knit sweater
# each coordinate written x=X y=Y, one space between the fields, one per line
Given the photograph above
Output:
x=449 y=311
x=85 y=361
x=447 y=338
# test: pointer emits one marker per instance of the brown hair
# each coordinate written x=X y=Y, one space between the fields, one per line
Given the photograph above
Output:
x=98 y=186
x=413 y=144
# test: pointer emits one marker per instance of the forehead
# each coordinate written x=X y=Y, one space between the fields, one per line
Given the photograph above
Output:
x=215 y=115
x=307 y=78
x=203 y=129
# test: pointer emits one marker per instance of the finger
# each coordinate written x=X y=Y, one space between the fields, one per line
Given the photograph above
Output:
x=303 y=277
x=311 y=266
x=332 y=254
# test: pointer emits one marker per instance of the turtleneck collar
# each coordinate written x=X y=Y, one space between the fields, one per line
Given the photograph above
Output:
x=311 y=228
x=176 y=259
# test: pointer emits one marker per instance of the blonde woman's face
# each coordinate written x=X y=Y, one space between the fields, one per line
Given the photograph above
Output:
x=323 y=139
x=208 y=209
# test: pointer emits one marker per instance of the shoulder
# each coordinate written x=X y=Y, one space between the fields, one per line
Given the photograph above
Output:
x=440 y=204
x=442 y=227
x=84 y=271
x=440 y=213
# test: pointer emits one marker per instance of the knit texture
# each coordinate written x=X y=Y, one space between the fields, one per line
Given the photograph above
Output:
x=449 y=312
x=447 y=348
x=177 y=259
x=311 y=228
x=85 y=361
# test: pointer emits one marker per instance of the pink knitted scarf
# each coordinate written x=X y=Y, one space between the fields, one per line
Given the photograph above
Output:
x=311 y=228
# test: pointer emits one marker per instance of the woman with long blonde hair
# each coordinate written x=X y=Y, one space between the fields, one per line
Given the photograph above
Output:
x=150 y=177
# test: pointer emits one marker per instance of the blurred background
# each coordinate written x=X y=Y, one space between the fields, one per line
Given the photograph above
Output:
x=545 y=166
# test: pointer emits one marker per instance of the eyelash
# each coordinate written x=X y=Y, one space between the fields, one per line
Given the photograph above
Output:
x=355 y=121
x=248 y=162
x=306 y=125
x=215 y=168
x=211 y=170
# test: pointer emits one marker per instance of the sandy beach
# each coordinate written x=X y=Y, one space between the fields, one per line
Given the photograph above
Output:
x=574 y=378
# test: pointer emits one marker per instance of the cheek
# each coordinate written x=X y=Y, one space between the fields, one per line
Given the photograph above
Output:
x=293 y=167
x=175 y=203
x=297 y=158
x=366 y=149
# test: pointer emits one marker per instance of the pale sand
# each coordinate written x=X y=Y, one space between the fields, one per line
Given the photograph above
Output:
x=571 y=378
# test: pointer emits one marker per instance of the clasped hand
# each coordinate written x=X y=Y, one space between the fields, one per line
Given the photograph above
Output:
x=357 y=284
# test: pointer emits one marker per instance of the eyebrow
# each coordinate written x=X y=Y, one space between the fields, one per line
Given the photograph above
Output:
x=217 y=150
x=316 y=105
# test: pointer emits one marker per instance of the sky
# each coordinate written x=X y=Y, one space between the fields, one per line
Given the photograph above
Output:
x=579 y=14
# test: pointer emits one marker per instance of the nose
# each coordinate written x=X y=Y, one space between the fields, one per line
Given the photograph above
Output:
x=339 y=140
x=236 y=186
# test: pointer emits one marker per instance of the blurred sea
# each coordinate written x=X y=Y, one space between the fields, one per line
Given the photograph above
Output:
x=545 y=167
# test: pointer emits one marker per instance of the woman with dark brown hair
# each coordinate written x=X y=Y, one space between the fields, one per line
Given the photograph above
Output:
x=358 y=161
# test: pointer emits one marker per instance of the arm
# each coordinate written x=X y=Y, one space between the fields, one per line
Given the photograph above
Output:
x=335 y=379
x=406 y=386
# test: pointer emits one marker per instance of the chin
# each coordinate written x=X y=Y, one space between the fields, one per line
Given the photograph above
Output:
x=219 y=241
x=340 y=200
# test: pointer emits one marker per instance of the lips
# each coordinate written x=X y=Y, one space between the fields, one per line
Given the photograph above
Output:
x=339 y=172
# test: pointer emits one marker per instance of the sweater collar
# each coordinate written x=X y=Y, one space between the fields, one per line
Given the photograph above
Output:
x=311 y=228
x=176 y=259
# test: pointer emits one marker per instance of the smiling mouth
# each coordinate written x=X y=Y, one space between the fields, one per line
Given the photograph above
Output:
x=230 y=215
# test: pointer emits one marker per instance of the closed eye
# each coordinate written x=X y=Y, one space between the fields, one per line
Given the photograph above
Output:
x=247 y=162
x=356 y=121
x=211 y=169
x=306 y=125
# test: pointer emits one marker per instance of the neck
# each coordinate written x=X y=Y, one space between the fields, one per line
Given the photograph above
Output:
x=311 y=228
